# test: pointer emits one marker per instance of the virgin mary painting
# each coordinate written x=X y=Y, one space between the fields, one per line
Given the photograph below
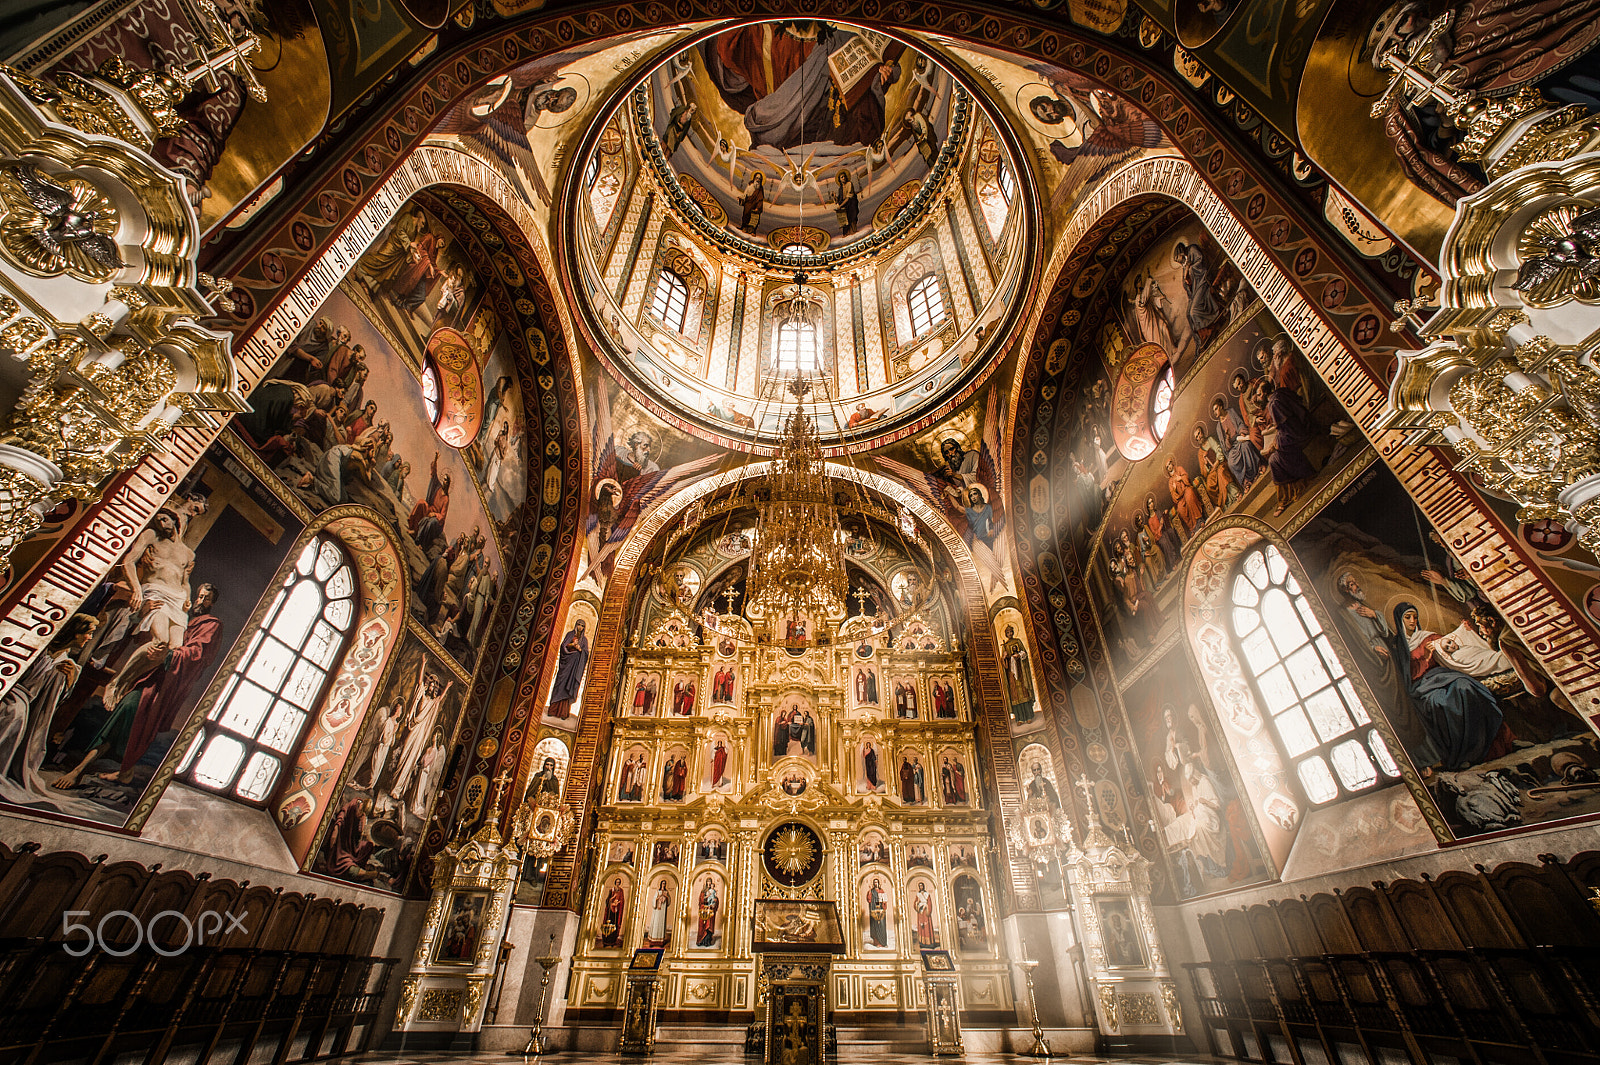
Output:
x=1462 y=718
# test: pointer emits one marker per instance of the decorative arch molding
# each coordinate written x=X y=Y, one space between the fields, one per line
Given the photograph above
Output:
x=1513 y=581
x=599 y=698
x=299 y=807
x=1237 y=715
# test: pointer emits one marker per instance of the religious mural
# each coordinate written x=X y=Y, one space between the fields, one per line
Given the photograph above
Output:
x=1202 y=817
x=518 y=121
x=954 y=467
x=394 y=774
x=1194 y=423
x=564 y=703
x=1201 y=409
x=91 y=720
x=1082 y=128
x=637 y=462
x=345 y=417
x=1496 y=742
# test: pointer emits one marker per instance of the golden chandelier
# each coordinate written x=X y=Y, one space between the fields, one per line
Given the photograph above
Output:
x=797 y=573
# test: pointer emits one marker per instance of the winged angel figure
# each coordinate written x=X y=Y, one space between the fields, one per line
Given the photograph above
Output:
x=623 y=492
x=1578 y=248
x=56 y=226
x=965 y=486
x=495 y=119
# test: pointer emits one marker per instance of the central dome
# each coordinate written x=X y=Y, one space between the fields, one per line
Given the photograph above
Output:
x=798 y=196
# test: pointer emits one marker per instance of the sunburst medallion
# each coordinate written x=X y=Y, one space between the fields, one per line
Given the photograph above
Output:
x=793 y=854
x=791 y=851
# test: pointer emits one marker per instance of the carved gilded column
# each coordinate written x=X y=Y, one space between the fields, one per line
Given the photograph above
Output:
x=101 y=344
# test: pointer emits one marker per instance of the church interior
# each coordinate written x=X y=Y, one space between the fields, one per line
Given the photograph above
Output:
x=1059 y=529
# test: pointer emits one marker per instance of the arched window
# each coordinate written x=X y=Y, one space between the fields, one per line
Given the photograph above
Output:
x=591 y=173
x=926 y=303
x=1322 y=726
x=257 y=723
x=1008 y=183
x=430 y=390
x=797 y=346
x=670 y=303
x=1161 y=403
x=796 y=249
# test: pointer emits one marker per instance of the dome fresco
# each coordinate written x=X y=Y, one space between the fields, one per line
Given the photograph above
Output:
x=803 y=196
x=776 y=126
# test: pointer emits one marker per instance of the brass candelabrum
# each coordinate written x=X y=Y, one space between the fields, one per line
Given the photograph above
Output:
x=1041 y=1046
x=547 y=964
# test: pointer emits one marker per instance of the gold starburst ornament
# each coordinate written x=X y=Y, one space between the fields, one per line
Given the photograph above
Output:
x=792 y=852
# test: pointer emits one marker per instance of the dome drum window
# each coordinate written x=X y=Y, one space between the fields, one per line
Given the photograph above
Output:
x=1161 y=403
x=925 y=302
x=669 y=303
x=797 y=347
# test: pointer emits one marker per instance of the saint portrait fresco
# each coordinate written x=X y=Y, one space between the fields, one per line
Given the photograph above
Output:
x=658 y=916
x=972 y=927
x=400 y=763
x=877 y=913
x=924 y=913
x=794 y=729
x=913 y=781
x=719 y=762
x=706 y=914
x=874 y=768
x=611 y=920
x=1200 y=809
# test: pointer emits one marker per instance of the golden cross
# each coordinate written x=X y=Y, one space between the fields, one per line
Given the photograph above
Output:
x=234 y=54
x=1409 y=316
x=500 y=783
x=860 y=596
x=1411 y=82
x=729 y=596
x=1088 y=792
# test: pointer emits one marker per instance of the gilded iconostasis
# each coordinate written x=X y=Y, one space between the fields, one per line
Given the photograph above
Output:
x=868 y=733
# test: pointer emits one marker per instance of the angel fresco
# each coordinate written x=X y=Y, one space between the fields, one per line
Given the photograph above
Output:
x=494 y=121
x=622 y=491
x=1098 y=129
x=966 y=487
